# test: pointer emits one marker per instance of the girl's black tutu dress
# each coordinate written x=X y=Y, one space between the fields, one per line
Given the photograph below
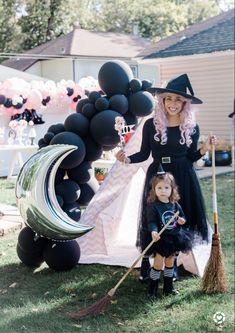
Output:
x=177 y=159
x=175 y=237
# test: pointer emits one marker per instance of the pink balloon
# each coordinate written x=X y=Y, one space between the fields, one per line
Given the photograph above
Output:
x=34 y=100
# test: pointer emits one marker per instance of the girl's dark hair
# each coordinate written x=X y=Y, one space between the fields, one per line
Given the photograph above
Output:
x=169 y=178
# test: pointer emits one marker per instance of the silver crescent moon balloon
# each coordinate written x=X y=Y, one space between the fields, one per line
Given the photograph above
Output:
x=36 y=198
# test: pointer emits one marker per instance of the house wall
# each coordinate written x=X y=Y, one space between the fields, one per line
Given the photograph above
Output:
x=35 y=69
x=67 y=69
x=212 y=78
x=57 y=69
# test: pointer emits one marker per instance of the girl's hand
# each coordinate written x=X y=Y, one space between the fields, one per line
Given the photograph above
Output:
x=181 y=221
x=155 y=236
x=120 y=156
x=211 y=140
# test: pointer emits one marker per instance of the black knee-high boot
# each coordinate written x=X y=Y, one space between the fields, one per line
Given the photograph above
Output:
x=153 y=289
x=144 y=269
x=154 y=278
x=168 y=288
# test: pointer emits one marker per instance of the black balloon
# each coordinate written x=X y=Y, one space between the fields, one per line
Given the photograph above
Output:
x=60 y=173
x=146 y=84
x=93 y=96
x=69 y=190
x=88 y=110
x=77 y=123
x=88 y=190
x=114 y=77
x=30 y=247
x=135 y=85
x=102 y=128
x=42 y=143
x=141 y=104
x=77 y=156
x=18 y=105
x=60 y=200
x=82 y=173
x=48 y=137
x=29 y=259
x=80 y=104
x=56 y=128
x=102 y=104
x=2 y=99
x=61 y=256
x=29 y=242
x=130 y=119
x=93 y=149
x=118 y=103
x=72 y=210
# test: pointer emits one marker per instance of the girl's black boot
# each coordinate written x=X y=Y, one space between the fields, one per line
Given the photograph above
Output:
x=153 y=289
x=144 y=270
x=168 y=288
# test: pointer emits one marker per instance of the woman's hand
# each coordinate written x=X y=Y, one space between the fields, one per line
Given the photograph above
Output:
x=181 y=221
x=155 y=236
x=120 y=156
x=211 y=140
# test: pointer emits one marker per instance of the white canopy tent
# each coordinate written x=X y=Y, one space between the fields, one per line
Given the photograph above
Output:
x=8 y=73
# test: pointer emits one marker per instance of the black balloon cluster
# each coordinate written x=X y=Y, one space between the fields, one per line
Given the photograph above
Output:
x=33 y=251
x=92 y=130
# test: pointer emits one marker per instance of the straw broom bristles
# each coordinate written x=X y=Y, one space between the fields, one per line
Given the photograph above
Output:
x=213 y=280
x=99 y=307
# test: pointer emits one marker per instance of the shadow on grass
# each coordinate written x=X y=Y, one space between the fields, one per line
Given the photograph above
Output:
x=40 y=299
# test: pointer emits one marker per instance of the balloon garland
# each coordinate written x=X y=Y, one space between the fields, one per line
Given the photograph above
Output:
x=28 y=101
x=92 y=129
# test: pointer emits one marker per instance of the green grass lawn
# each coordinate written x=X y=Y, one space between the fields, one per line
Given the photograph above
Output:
x=37 y=300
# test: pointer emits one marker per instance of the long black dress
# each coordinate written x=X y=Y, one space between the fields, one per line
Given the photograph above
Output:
x=181 y=166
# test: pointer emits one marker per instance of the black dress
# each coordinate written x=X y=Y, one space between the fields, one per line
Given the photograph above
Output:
x=180 y=159
x=175 y=238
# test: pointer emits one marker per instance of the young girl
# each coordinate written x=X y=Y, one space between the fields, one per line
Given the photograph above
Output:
x=162 y=205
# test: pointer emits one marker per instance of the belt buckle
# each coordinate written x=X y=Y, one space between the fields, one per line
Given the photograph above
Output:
x=166 y=159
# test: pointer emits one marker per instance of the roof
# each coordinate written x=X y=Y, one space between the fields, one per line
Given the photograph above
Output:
x=84 y=43
x=214 y=34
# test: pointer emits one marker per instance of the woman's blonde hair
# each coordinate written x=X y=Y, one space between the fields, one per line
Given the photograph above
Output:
x=166 y=177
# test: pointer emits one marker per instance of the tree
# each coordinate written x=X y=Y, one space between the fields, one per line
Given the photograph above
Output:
x=10 y=32
x=25 y=24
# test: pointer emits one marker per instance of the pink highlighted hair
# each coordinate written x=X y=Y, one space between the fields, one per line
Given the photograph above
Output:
x=187 y=121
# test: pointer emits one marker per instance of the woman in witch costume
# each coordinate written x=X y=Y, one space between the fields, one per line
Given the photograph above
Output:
x=171 y=136
x=162 y=205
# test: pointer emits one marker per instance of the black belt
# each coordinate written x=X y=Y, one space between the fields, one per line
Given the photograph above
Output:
x=169 y=159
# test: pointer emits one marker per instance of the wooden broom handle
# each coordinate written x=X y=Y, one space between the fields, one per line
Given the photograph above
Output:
x=113 y=290
x=214 y=196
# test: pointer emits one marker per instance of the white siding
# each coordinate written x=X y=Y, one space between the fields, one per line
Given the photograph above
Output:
x=212 y=78
x=57 y=69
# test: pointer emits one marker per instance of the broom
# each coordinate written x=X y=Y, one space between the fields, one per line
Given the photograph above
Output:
x=213 y=280
x=100 y=305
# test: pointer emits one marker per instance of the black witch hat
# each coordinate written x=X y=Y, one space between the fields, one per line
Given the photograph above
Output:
x=160 y=170
x=180 y=86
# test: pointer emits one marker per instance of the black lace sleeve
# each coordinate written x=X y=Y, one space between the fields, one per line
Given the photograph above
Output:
x=145 y=149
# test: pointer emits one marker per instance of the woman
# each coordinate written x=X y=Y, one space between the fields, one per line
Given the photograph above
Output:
x=171 y=136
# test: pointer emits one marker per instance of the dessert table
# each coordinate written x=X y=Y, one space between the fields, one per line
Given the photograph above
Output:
x=16 y=154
